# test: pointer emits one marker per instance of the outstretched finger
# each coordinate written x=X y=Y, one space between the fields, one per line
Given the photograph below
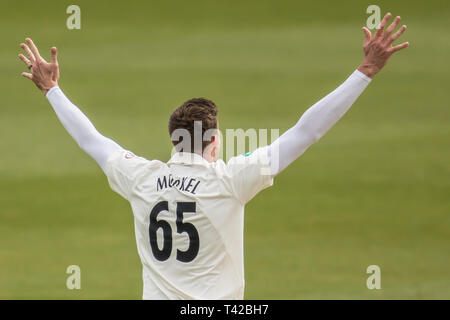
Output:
x=367 y=35
x=399 y=47
x=34 y=49
x=391 y=28
x=27 y=75
x=396 y=35
x=25 y=59
x=28 y=51
x=383 y=23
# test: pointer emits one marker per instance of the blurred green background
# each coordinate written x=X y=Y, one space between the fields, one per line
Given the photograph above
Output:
x=374 y=190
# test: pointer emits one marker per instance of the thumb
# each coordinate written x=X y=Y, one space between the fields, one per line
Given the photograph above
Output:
x=54 y=55
x=54 y=60
x=367 y=35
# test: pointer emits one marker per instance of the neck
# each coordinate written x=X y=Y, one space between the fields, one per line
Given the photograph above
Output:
x=209 y=157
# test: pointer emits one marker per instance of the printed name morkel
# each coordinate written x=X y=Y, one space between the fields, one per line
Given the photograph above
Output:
x=187 y=184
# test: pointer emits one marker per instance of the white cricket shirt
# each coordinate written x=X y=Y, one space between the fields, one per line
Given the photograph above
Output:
x=189 y=218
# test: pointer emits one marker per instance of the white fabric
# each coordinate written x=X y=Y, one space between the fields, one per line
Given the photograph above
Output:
x=80 y=128
x=315 y=122
x=219 y=192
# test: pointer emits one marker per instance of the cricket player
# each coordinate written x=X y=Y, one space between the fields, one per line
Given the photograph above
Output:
x=189 y=211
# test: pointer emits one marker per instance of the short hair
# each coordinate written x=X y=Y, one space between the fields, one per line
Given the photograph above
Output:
x=185 y=116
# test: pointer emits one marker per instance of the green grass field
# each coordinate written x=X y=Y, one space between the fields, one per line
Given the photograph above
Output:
x=374 y=190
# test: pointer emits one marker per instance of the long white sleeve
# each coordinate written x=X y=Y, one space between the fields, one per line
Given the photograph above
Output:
x=81 y=129
x=315 y=122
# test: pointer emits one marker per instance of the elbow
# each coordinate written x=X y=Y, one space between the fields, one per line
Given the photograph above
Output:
x=88 y=142
x=312 y=136
x=90 y=136
x=309 y=133
x=84 y=145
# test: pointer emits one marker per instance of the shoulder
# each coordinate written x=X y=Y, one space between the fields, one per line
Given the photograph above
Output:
x=256 y=158
x=127 y=162
x=249 y=173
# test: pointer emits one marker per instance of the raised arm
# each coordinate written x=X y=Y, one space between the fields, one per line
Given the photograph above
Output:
x=46 y=75
x=319 y=118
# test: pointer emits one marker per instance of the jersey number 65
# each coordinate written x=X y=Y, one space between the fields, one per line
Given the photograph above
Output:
x=189 y=228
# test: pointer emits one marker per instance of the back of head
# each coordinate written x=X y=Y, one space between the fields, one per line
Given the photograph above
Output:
x=187 y=119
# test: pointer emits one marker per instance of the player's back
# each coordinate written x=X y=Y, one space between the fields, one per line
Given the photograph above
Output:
x=188 y=217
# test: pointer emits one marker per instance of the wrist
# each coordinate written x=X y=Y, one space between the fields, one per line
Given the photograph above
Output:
x=369 y=70
x=46 y=89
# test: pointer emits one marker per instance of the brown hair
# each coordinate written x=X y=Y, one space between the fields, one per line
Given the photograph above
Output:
x=196 y=109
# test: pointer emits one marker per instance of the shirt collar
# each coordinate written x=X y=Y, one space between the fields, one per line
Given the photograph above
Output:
x=187 y=158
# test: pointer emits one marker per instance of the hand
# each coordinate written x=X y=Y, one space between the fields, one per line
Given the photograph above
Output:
x=44 y=75
x=378 y=49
